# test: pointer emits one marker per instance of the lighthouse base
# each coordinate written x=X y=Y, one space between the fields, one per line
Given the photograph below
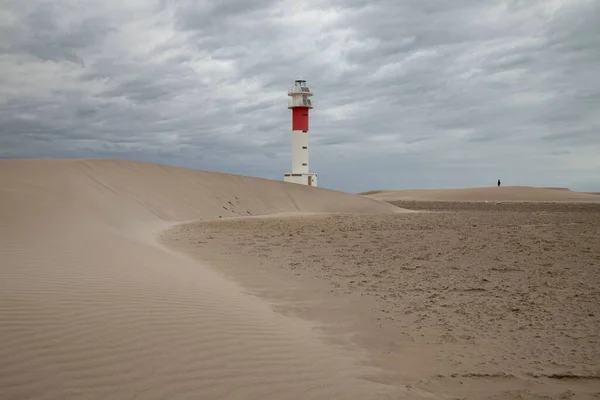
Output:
x=302 y=179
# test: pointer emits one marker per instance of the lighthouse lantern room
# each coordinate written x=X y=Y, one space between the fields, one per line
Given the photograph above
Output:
x=300 y=104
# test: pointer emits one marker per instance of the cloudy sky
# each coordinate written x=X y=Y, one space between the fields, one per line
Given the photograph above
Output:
x=408 y=93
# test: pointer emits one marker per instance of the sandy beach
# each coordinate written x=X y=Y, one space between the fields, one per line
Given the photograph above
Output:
x=469 y=299
x=122 y=280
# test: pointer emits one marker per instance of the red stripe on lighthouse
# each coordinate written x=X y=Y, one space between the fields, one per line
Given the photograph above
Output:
x=300 y=119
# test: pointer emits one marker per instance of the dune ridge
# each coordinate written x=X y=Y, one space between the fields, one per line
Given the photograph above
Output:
x=91 y=306
x=482 y=194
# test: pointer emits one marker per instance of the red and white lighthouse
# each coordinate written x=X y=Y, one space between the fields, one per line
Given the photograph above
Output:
x=300 y=105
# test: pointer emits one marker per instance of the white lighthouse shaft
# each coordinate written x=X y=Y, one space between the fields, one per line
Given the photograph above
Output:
x=300 y=152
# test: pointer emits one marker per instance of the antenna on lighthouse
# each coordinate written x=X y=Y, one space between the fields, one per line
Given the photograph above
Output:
x=300 y=104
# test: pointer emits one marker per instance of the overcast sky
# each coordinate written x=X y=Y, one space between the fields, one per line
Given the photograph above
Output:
x=408 y=93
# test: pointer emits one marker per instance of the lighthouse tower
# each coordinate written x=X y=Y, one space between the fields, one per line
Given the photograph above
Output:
x=300 y=104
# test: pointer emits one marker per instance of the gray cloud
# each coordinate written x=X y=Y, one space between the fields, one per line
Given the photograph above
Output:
x=420 y=93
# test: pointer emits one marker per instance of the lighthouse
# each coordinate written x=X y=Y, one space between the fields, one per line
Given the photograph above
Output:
x=300 y=104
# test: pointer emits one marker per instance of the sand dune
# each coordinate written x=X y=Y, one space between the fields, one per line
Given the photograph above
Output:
x=91 y=306
x=505 y=194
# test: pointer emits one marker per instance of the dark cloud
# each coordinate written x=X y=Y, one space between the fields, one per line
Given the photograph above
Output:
x=419 y=93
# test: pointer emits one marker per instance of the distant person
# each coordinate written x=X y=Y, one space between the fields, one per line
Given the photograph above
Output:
x=499 y=183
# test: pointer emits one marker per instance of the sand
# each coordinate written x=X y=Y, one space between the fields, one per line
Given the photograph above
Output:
x=479 y=301
x=92 y=306
x=122 y=280
x=490 y=194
